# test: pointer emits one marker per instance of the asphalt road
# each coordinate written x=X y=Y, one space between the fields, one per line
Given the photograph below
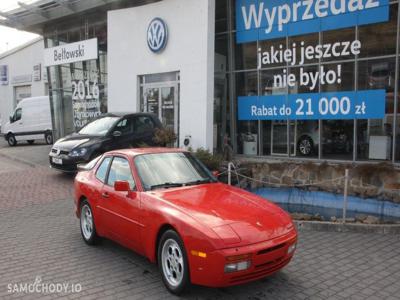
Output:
x=40 y=242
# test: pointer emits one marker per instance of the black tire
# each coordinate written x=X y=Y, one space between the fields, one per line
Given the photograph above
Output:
x=48 y=137
x=184 y=282
x=11 y=140
x=31 y=142
x=305 y=146
x=93 y=238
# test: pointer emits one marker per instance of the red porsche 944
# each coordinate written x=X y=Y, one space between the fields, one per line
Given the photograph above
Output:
x=166 y=205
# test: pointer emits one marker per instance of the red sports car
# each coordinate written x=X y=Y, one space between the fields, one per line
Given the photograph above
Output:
x=166 y=205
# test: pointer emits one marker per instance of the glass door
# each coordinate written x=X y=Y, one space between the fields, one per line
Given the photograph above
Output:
x=168 y=108
x=279 y=138
x=152 y=100
x=162 y=100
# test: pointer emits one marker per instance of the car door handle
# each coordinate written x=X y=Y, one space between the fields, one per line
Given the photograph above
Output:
x=105 y=195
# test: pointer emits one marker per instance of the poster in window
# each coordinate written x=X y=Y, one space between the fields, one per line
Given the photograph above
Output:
x=3 y=75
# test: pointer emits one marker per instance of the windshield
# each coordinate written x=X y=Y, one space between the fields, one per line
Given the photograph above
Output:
x=163 y=170
x=100 y=126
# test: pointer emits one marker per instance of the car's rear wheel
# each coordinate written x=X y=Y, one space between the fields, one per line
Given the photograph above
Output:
x=173 y=263
x=30 y=142
x=88 y=228
x=48 y=138
x=11 y=140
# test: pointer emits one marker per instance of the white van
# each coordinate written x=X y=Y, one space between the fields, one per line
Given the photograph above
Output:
x=30 y=121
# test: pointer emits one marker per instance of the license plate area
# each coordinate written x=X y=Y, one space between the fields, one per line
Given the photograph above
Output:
x=57 y=161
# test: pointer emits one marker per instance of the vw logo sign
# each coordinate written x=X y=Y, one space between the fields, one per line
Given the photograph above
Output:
x=157 y=35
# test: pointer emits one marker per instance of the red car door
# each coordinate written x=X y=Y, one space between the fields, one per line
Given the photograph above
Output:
x=121 y=210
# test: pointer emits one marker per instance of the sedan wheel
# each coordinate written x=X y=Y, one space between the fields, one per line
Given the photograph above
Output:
x=88 y=229
x=305 y=146
x=173 y=262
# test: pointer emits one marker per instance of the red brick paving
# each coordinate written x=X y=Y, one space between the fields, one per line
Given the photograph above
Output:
x=33 y=186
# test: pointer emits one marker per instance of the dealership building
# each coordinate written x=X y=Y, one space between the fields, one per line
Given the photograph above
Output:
x=316 y=80
x=22 y=75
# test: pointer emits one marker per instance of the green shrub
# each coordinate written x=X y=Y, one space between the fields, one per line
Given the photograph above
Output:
x=210 y=160
x=164 y=137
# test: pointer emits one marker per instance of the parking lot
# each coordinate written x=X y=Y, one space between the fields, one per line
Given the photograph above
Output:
x=40 y=242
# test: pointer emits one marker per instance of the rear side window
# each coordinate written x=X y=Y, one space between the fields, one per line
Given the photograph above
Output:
x=101 y=172
x=143 y=124
x=120 y=171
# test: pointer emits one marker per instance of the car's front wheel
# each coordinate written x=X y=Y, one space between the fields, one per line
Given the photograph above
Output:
x=88 y=229
x=173 y=263
x=11 y=140
x=305 y=146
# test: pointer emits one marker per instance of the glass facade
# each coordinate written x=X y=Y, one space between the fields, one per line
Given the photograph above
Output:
x=78 y=91
x=375 y=67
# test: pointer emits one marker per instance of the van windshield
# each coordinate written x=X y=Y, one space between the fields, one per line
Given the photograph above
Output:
x=100 y=126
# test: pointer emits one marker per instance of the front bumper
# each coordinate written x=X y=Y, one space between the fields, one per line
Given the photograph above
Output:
x=68 y=163
x=267 y=258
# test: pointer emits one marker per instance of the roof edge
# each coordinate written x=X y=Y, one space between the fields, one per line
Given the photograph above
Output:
x=20 y=47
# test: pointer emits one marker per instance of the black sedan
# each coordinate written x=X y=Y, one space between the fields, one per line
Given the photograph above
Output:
x=108 y=132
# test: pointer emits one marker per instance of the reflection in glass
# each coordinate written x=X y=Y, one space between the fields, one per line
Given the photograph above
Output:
x=378 y=74
x=245 y=56
x=337 y=139
x=379 y=39
x=247 y=131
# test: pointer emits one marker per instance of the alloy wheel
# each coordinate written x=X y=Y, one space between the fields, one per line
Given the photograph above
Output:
x=86 y=222
x=305 y=147
x=172 y=262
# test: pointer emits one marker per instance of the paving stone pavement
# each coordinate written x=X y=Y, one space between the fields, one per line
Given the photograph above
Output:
x=40 y=240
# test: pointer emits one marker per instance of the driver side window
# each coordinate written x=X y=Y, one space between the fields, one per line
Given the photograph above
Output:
x=125 y=126
x=17 y=115
x=120 y=171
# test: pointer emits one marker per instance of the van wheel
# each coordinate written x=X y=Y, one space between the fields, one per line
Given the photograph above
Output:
x=49 y=138
x=11 y=140
x=30 y=142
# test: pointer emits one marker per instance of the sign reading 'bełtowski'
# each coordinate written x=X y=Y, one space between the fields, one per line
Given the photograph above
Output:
x=70 y=53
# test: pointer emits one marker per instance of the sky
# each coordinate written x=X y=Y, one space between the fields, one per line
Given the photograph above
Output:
x=9 y=37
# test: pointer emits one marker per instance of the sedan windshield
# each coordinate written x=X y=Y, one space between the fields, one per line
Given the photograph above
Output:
x=100 y=126
x=165 y=170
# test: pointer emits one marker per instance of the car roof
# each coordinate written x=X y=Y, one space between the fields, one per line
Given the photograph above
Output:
x=140 y=151
x=125 y=114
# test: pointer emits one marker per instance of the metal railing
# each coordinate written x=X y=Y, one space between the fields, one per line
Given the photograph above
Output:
x=232 y=170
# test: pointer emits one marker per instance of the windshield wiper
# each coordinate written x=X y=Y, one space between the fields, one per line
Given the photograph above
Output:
x=166 y=185
x=200 y=181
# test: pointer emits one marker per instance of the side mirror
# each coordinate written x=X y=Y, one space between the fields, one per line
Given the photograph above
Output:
x=11 y=119
x=122 y=186
x=117 y=133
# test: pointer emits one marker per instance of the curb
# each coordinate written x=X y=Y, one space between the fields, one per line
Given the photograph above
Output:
x=348 y=227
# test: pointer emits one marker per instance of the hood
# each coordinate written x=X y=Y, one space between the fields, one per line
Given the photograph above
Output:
x=74 y=140
x=235 y=215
